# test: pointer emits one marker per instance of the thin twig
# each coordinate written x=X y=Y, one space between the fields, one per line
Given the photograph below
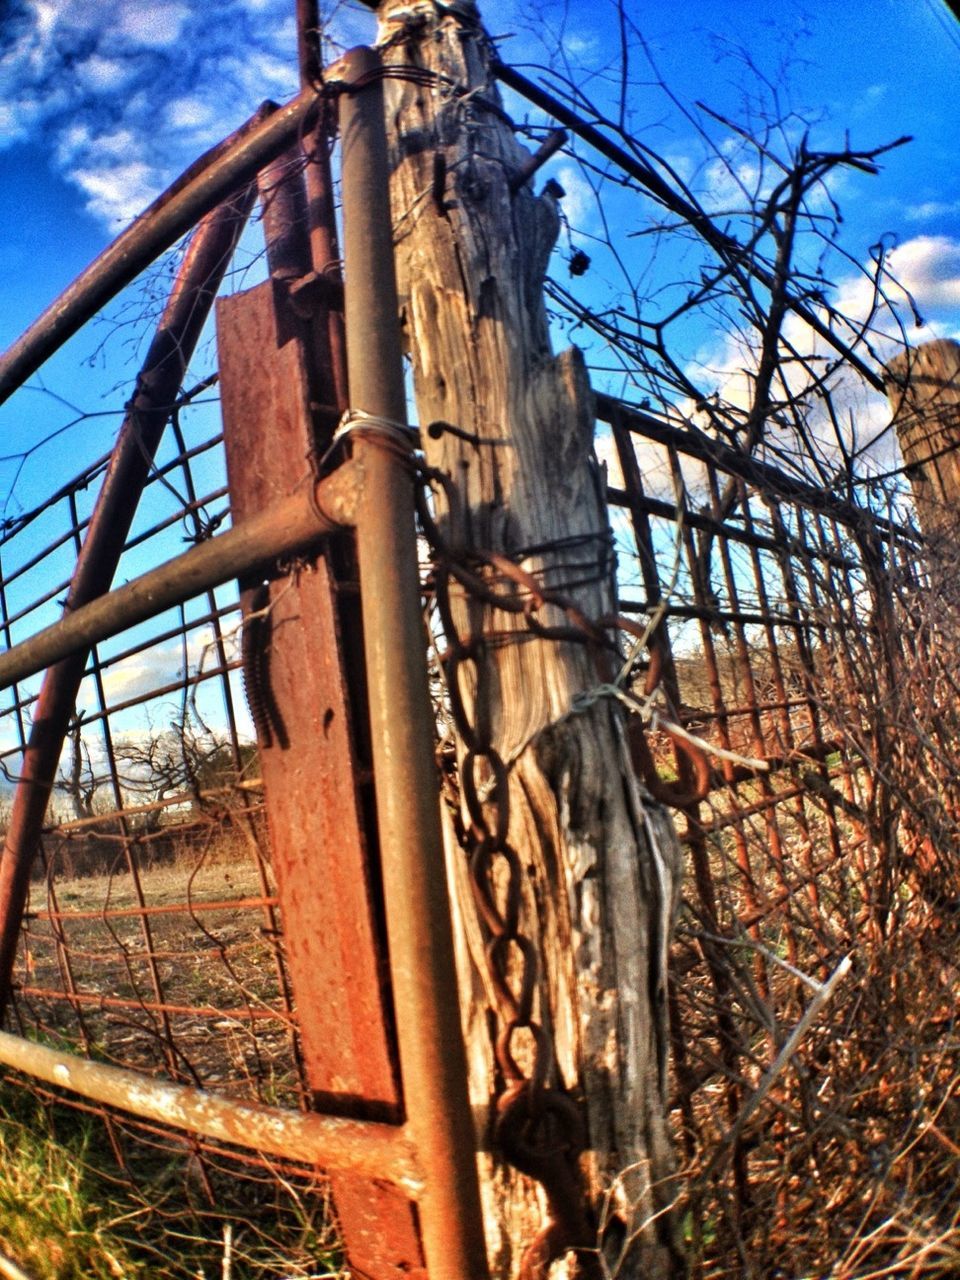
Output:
x=10 y=1271
x=778 y=1066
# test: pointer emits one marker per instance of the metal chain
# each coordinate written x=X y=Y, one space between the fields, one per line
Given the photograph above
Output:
x=525 y=595
x=539 y=1129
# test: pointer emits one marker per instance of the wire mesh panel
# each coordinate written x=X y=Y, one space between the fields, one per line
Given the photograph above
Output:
x=801 y=653
x=152 y=937
x=151 y=931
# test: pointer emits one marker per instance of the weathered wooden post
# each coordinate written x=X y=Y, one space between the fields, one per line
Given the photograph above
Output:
x=923 y=386
x=574 y=865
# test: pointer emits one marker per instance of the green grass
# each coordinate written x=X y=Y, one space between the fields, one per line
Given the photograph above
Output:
x=55 y=1221
x=67 y=1212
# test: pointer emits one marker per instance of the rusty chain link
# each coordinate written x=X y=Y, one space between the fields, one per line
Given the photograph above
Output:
x=529 y=598
x=539 y=1129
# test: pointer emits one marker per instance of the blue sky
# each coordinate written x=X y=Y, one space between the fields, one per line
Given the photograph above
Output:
x=102 y=105
x=843 y=75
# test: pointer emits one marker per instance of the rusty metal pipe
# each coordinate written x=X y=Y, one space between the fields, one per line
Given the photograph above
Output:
x=157 y=909
x=133 y=1004
x=308 y=42
x=158 y=384
x=289 y=526
x=432 y=1056
x=322 y=221
x=224 y=170
x=284 y=202
x=375 y=1150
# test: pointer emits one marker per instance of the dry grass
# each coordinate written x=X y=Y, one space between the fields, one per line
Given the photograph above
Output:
x=85 y=1194
x=850 y=1167
x=67 y=1212
x=214 y=968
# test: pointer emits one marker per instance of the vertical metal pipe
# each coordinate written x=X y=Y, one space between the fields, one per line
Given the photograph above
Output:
x=325 y=253
x=321 y=220
x=308 y=42
x=157 y=386
x=432 y=1056
x=284 y=204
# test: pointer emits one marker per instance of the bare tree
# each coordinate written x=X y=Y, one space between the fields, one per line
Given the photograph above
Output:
x=79 y=780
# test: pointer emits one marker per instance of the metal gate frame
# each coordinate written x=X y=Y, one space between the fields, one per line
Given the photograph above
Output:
x=430 y=1156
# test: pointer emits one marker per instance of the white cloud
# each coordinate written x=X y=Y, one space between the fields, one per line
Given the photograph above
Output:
x=929 y=209
x=46 y=16
x=98 y=73
x=152 y=26
x=142 y=673
x=682 y=164
x=606 y=451
x=871 y=98
x=926 y=266
x=189 y=113
x=579 y=200
x=738 y=181
x=121 y=144
x=929 y=266
x=100 y=81
x=270 y=71
x=731 y=184
x=117 y=194
x=581 y=45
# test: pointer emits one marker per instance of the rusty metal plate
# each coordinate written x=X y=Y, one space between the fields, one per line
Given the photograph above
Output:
x=322 y=855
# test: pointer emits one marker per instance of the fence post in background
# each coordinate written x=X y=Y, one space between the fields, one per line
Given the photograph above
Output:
x=923 y=387
x=158 y=385
x=432 y=1055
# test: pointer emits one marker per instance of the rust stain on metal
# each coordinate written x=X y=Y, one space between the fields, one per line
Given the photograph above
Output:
x=249 y=1013
x=318 y=845
x=157 y=909
x=376 y=1150
x=280 y=399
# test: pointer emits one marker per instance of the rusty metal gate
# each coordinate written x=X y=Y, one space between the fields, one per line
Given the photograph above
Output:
x=329 y=1037
x=378 y=1054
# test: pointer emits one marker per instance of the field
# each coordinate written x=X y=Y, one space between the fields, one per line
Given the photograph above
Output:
x=190 y=987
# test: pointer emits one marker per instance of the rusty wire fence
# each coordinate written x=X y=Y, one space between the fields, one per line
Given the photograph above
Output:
x=799 y=643
x=157 y=803
x=808 y=642
x=152 y=937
